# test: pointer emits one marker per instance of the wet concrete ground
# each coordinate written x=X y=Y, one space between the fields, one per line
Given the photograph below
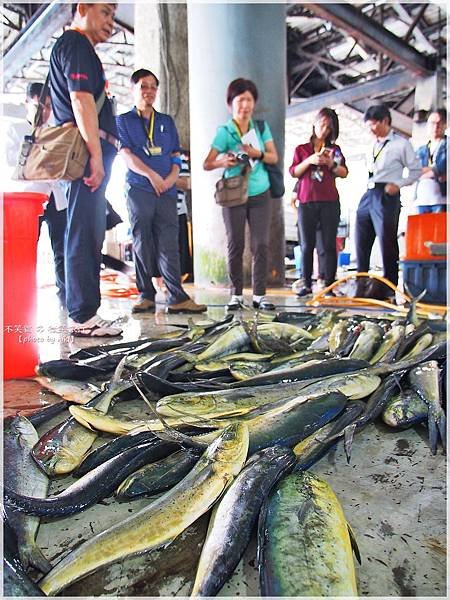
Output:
x=393 y=492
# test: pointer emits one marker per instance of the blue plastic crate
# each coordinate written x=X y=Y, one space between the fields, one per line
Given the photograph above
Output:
x=429 y=274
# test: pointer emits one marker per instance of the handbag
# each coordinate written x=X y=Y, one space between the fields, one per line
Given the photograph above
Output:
x=232 y=191
x=53 y=153
x=276 y=177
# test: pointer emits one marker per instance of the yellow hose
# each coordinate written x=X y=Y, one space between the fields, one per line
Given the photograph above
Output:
x=345 y=301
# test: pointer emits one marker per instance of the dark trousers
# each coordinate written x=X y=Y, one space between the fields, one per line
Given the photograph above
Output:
x=85 y=233
x=154 y=227
x=183 y=245
x=310 y=215
x=56 y=222
x=377 y=216
x=258 y=212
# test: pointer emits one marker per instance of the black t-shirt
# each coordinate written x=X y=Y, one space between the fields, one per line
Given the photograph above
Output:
x=75 y=67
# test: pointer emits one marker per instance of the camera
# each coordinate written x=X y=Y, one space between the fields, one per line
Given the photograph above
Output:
x=241 y=157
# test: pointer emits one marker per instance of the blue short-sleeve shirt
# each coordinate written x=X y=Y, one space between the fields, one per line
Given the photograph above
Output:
x=133 y=134
x=75 y=67
x=227 y=139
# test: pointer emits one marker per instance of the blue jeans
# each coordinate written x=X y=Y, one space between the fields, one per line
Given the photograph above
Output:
x=434 y=208
x=85 y=232
x=154 y=227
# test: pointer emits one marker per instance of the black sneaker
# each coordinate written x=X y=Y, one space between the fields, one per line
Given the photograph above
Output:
x=304 y=291
x=263 y=304
x=329 y=294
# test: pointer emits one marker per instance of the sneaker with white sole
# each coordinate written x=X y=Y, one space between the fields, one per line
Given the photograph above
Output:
x=235 y=303
x=94 y=327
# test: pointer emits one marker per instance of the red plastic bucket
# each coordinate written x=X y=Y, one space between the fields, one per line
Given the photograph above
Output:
x=20 y=230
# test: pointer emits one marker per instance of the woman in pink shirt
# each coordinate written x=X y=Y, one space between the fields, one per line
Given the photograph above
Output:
x=316 y=165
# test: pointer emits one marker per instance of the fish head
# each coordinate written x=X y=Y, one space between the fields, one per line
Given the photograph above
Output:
x=22 y=429
x=425 y=379
x=229 y=451
x=182 y=404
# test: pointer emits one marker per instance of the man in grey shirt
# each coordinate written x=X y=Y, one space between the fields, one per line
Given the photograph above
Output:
x=379 y=208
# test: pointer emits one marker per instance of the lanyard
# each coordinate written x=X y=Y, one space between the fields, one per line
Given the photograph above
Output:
x=375 y=156
x=431 y=154
x=148 y=133
x=238 y=129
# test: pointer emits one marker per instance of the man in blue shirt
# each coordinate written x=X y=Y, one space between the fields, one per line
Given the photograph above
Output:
x=151 y=150
x=431 y=191
x=77 y=86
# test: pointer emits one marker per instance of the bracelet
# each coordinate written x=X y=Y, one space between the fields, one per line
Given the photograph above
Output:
x=261 y=158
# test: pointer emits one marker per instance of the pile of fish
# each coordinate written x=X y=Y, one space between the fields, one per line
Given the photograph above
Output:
x=239 y=411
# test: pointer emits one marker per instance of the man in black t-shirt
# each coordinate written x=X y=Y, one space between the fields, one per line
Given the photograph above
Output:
x=77 y=86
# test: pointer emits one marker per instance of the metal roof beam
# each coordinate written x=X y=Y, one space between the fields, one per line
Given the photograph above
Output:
x=35 y=36
x=359 y=91
x=363 y=28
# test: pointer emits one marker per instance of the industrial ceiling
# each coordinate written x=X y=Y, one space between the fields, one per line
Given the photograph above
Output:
x=350 y=53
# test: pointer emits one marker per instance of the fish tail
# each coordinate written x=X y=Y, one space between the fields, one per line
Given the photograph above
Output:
x=432 y=431
x=349 y=433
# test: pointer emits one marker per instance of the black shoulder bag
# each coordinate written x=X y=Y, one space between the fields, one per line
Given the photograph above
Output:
x=276 y=177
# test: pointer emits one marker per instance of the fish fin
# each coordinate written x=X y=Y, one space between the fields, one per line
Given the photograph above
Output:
x=304 y=509
x=79 y=417
x=34 y=557
x=354 y=543
x=119 y=370
x=169 y=431
x=349 y=433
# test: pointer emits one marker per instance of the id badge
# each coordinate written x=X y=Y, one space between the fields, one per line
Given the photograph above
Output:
x=155 y=150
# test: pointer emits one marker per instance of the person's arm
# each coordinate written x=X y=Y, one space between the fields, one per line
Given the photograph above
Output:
x=299 y=169
x=135 y=164
x=412 y=163
x=85 y=112
x=214 y=161
x=172 y=177
x=268 y=156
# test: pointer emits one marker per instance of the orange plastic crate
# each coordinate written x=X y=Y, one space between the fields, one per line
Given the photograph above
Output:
x=429 y=227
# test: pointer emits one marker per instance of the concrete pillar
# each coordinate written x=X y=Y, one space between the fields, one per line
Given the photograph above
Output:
x=227 y=41
x=161 y=46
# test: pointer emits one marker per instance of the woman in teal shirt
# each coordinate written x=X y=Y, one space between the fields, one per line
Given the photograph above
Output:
x=242 y=96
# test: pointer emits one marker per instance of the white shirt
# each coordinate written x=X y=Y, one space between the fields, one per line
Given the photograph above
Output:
x=388 y=164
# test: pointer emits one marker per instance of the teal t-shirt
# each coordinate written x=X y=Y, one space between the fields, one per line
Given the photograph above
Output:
x=227 y=139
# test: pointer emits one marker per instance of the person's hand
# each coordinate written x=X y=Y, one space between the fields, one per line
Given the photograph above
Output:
x=315 y=159
x=228 y=160
x=158 y=183
x=391 y=189
x=427 y=173
x=251 y=151
x=97 y=173
x=170 y=180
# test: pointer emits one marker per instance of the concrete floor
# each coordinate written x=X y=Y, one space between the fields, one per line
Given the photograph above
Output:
x=393 y=493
